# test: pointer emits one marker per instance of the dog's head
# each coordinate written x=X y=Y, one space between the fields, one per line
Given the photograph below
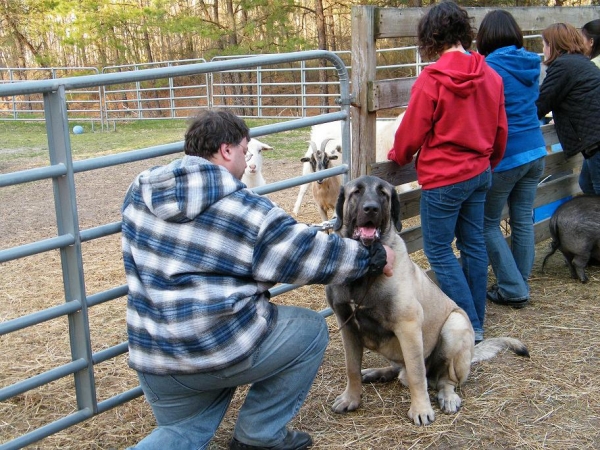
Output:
x=366 y=210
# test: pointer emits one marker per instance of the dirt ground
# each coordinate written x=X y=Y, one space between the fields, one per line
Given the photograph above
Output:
x=549 y=401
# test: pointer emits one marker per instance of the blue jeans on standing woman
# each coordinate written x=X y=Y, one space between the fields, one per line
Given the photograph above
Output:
x=457 y=211
x=589 y=177
x=189 y=408
x=512 y=265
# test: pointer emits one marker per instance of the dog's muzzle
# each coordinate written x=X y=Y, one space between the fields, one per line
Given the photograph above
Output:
x=366 y=235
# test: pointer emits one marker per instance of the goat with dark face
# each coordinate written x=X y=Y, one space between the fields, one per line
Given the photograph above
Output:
x=575 y=231
x=331 y=146
x=319 y=159
x=325 y=190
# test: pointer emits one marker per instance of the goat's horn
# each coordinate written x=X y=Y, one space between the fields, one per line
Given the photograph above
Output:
x=324 y=143
x=313 y=146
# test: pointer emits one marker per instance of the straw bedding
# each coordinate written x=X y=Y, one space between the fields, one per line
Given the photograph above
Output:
x=547 y=402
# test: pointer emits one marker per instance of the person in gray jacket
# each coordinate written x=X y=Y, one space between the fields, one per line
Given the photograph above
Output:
x=201 y=252
x=571 y=90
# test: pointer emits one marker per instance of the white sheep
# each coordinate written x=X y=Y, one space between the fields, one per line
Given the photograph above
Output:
x=331 y=133
x=386 y=130
x=384 y=140
x=253 y=174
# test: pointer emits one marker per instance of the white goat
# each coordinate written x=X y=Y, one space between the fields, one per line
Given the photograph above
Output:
x=253 y=174
x=331 y=133
x=326 y=190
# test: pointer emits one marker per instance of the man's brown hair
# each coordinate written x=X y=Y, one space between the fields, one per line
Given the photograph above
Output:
x=211 y=128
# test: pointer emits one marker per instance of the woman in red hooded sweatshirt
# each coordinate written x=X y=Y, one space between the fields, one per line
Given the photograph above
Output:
x=456 y=125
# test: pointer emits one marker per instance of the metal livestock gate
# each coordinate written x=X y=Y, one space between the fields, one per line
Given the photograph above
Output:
x=70 y=236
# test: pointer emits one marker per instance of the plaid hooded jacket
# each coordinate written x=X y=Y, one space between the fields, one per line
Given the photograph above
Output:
x=200 y=253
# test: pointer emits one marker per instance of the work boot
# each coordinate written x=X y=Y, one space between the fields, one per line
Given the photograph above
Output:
x=294 y=440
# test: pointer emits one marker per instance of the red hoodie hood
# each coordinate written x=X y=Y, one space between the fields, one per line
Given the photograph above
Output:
x=455 y=119
x=459 y=72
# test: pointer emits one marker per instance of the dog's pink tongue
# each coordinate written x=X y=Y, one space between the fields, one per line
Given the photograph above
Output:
x=367 y=232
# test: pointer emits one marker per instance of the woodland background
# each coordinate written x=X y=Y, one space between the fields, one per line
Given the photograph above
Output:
x=99 y=33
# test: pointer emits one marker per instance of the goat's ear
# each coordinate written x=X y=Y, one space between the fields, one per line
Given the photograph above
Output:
x=333 y=156
x=304 y=159
x=395 y=211
x=339 y=210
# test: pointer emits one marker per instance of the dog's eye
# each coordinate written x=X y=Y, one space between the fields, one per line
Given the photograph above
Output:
x=357 y=190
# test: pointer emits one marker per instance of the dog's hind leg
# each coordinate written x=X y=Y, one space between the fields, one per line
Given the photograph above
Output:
x=381 y=374
x=451 y=363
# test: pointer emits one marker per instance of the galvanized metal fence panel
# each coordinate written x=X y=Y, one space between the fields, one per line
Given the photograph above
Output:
x=70 y=236
x=83 y=104
x=287 y=91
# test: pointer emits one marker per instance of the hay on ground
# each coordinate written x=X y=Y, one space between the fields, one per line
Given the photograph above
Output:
x=546 y=402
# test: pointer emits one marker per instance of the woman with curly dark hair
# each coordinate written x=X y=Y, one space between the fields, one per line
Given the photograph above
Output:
x=456 y=124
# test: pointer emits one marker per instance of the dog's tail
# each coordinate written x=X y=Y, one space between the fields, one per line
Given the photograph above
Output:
x=488 y=348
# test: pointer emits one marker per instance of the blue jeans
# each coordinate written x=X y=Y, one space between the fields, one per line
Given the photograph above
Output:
x=189 y=408
x=589 y=177
x=512 y=266
x=457 y=211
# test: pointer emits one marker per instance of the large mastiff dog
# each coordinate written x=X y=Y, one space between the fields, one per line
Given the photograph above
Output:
x=406 y=318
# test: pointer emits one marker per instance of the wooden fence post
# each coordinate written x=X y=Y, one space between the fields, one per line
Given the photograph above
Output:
x=364 y=64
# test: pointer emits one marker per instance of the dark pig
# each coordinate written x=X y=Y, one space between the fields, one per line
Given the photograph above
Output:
x=575 y=231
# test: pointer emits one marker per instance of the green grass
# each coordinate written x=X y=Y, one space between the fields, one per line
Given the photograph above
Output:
x=22 y=140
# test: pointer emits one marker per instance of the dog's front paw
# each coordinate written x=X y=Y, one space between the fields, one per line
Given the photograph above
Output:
x=346 y=403
x=421 y=416
x=449 y=403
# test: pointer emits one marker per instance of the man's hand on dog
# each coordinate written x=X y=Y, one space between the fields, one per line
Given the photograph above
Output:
x=382 y=259
x=388 y=270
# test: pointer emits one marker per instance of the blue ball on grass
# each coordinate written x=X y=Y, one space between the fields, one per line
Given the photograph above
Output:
x=77 y=129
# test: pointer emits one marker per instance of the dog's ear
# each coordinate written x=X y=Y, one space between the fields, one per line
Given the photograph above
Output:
x=395 y=211
x=339 y=210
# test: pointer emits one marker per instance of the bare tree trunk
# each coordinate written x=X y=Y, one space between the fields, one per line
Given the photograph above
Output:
x=322 y=45
x=234 y=77
x=332 y=33
x=249 y=77
x=22 y=42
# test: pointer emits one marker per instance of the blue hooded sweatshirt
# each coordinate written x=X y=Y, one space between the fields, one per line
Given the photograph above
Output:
x=520 y=72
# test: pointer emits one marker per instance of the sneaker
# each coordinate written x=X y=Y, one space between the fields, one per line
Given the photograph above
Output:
x=494 y=296
x=478 y=336
x=294 y=440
